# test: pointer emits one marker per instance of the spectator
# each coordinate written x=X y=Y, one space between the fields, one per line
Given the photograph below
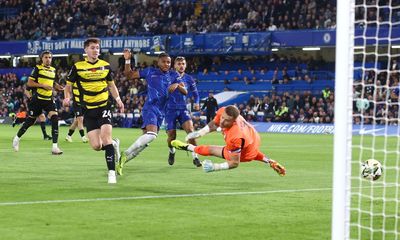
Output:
x=211 y=106
x=176 y=17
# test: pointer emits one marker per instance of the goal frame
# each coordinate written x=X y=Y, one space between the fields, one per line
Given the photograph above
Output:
x=343 y=120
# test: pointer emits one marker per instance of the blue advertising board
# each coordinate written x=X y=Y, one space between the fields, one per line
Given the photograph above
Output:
x=209 y=43
x=140 y=44
x=305 y=128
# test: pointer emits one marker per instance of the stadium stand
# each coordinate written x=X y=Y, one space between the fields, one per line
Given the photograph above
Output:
x=70 y=19
x=273 y=79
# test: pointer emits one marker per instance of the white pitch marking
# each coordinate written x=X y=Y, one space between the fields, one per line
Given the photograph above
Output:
x=163 y=196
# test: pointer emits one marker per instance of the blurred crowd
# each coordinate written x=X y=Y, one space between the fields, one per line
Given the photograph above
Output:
x=290 y=107
x=381 y=107
x=109 y=18
x=31 y=20
x=376 y=96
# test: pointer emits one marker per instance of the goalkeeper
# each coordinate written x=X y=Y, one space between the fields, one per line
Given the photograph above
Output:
x=242 y=142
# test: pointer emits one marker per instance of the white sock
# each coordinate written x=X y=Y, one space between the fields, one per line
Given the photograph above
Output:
x=172 y=150
x=194 y=155
x=140 y=144
x=17 y=137
x=191 y=147
x=55 y=145
x=266 y=159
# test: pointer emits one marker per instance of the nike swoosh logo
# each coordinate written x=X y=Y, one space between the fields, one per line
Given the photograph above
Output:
x=363 y=131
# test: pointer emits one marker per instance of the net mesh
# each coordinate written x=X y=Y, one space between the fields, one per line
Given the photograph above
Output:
x=374 y=209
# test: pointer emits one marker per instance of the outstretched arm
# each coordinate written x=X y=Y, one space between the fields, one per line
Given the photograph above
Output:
x=128 y=72
x=233 y=162
x=210 y=127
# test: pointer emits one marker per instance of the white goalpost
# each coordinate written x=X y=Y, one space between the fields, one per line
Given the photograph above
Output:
x=343 y=115
x=366 y=120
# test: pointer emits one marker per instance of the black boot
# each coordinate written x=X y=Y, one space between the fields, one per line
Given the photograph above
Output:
x=197 y=162
x=171 y=158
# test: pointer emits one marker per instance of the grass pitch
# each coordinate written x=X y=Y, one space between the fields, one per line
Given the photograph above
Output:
x=67 y=197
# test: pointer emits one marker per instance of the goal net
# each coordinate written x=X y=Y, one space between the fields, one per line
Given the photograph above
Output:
x=367 y=120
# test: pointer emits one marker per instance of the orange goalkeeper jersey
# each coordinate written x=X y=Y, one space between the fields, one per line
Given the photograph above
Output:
x=240 y=138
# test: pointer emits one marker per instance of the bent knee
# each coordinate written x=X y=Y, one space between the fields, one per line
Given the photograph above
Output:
x=96 y=147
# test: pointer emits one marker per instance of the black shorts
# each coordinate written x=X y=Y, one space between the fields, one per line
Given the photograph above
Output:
x=37 y=106
x=95 y=118
x=77 y=110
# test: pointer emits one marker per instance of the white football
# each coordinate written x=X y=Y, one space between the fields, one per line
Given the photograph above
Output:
x=371 y=169
x=362 y=104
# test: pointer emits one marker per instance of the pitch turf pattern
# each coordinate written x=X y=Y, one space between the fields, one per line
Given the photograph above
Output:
x=67 y=197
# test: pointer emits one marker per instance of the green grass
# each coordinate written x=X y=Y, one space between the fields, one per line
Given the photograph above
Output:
x=255 y=202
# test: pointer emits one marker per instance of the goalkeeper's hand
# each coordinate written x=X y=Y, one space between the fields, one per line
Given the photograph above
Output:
x=192 y=135
x=208 y=166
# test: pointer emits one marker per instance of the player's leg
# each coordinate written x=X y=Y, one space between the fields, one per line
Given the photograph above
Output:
x=150 y=134
x=53 y=116
x=252 y=152
x=28 y=123
x=35 y=109
x=151 y=124
x=208 y=150
x=94 y=138
x=188 y=127
x=171 y=136
x=81 y=129
x=71 y=130
x=42 y=120
x=281 y=170
x=18 y=120
x=171 y=119
x=204 y=150
x=107 y=146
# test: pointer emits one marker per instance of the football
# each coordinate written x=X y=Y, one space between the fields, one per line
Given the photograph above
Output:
x=371 y=169
x=362 y=104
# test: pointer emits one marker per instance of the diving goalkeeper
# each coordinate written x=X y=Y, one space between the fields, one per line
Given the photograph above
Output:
x=242 y=142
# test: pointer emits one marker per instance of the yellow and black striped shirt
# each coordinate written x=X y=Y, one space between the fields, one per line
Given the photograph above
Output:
x=89 y=83
x=43 y=75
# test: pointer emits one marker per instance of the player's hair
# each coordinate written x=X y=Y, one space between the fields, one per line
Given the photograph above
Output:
x=91 y=40
x=232 y=111
x=179 y=59
x=161 y=55
x=44 y=53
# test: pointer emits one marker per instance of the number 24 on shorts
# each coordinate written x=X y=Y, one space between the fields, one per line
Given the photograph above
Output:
x=106 y=114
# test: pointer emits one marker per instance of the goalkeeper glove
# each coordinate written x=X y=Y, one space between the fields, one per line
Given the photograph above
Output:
x=192 y=135
x=198 y=134
x=208 y=166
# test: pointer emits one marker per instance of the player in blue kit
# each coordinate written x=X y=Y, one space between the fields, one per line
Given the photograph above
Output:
x=177 y=111
x=161 y=82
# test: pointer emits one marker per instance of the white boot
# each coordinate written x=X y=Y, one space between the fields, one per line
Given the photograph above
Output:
x=16 y=143
x=56 y=151
x=115 y=143
x=112 y=177
x=68 y=138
